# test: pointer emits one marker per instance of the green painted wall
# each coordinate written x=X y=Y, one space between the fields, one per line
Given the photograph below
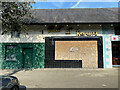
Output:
x=38 y=55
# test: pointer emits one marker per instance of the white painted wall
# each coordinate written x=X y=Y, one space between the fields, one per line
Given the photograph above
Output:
x=35 y=33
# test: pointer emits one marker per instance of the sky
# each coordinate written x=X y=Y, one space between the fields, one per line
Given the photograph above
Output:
x=51 y=4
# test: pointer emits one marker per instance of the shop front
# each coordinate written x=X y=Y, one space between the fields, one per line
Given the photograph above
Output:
x=73 y=52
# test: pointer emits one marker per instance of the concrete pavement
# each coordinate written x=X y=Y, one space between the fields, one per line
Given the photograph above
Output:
x=68 y=78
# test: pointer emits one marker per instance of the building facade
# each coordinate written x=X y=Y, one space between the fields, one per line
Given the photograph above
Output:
x=68 y=38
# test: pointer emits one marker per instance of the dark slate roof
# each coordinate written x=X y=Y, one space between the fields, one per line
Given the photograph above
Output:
x=88 y=15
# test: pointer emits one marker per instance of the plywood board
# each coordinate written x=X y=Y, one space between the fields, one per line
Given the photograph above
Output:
x=77 y=50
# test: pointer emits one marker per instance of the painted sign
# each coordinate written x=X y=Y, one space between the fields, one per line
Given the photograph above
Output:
x=67 y=32
x=87 y=33
x=115 y=38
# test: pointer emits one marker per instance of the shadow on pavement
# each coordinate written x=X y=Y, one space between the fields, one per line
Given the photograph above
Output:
x=17 y=70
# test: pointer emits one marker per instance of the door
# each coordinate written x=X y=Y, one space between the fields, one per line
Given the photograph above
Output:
x=27 y=57
x=116 y=53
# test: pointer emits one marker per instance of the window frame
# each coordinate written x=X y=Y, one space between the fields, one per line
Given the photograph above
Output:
x=6 y=53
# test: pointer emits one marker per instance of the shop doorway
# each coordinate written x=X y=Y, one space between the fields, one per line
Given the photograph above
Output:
x=27 y=57
x=116 y=53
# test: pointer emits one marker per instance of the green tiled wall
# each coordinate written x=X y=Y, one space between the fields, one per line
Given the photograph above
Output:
x=38 y=55
x=0 y=55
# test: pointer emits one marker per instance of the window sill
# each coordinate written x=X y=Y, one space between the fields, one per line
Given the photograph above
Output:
x=10 y=60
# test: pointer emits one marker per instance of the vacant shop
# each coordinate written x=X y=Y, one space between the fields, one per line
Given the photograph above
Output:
x=74 y=52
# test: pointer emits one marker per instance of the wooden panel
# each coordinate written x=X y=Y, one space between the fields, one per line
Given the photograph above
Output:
x=77 y=50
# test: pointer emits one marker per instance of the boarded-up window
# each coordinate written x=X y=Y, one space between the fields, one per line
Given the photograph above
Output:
x=77 y=50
